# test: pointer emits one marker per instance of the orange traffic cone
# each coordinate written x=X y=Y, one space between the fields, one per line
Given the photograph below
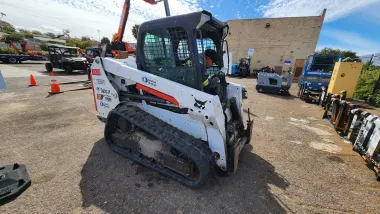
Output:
x=52 y=74
x=32 y=81
x=54 y=87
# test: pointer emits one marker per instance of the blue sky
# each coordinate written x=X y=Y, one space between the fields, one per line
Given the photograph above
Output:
x=349 y=24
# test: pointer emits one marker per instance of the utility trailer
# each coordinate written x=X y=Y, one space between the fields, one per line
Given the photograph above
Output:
x=23 y=53
x=16 y=58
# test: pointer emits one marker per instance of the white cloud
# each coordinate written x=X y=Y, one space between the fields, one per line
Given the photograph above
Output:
x=371 y=14
x=238 y=16
x=350 y=41
x=18 y=27
x=219 y=3
x=85 y=17
x=49 y=28
x=335 y=8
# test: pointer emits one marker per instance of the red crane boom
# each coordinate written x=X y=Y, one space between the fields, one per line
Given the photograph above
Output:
x=119 y=48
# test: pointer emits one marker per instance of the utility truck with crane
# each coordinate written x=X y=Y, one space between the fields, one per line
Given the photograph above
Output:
x=22 y=55
x=165 y=110
x=316 y=76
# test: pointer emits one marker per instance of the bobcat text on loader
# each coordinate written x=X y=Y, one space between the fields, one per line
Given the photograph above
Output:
x=165 y=110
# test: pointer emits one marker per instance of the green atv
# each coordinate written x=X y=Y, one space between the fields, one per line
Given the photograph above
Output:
x=66 y=58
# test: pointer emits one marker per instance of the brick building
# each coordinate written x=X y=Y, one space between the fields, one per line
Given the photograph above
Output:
x=275 y=40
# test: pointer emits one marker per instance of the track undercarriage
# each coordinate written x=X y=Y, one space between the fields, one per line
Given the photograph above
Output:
x=157 y=145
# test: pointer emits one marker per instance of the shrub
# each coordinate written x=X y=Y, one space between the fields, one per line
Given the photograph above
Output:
x=28 y=35
x=36 y=32
x=15 y=37
x=51 y=35
x=366 y=84
x=80 y=44
x=55 y=42
x=7 y=50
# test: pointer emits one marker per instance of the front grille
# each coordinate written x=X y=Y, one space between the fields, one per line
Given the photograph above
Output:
x=79 y=65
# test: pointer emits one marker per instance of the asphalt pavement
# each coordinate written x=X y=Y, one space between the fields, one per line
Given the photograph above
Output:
x=295 y=163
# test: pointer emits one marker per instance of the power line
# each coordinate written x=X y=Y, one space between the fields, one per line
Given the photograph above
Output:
x=49 y=18
x=31 y=11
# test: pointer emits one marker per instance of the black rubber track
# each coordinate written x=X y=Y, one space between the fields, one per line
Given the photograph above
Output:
x=195 y=149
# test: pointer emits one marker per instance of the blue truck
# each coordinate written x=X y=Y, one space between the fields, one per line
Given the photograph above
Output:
x=316 y=76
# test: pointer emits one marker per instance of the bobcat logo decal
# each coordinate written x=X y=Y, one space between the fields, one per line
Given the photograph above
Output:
x=200 y=104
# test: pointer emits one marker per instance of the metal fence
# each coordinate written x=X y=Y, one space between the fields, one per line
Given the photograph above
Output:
x=374 y=58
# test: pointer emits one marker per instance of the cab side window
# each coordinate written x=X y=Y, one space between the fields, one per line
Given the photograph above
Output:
x=166 y=54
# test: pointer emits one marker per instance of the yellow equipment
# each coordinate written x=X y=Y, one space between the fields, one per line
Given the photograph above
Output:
x=345 y=77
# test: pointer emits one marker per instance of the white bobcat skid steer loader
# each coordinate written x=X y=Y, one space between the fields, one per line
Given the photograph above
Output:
x=164 y=111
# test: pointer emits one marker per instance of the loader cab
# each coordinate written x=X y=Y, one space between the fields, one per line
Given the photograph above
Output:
x=174 y=47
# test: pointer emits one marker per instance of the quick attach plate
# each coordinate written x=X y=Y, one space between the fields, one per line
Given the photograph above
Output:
x=14 y=179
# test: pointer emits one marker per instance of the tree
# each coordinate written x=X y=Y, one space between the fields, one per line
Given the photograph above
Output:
x=27 y=35
x=66 y=32
x=50 y=34
x=337 y=52
x=36 y=32
x=135 y=30
x=105 y=40
x=85 y=44
x=21 y=30
x=43 y=46
x=15 y=36
x=366 y=84
x=6 y=27
x=80 y=44
x=85 y=38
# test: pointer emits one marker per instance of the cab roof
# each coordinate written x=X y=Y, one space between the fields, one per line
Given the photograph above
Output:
x=187 y=21
x=61 y=46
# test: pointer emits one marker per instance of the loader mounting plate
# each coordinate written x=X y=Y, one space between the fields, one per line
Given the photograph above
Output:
x=14 y=180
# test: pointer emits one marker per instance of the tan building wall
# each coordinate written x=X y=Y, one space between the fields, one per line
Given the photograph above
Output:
x=285 y=39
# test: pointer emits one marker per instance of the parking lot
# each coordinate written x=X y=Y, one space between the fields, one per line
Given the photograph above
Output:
x=295 y=163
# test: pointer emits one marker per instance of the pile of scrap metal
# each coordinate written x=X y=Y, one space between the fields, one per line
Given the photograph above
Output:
x=337 y=112
x=358 y=126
